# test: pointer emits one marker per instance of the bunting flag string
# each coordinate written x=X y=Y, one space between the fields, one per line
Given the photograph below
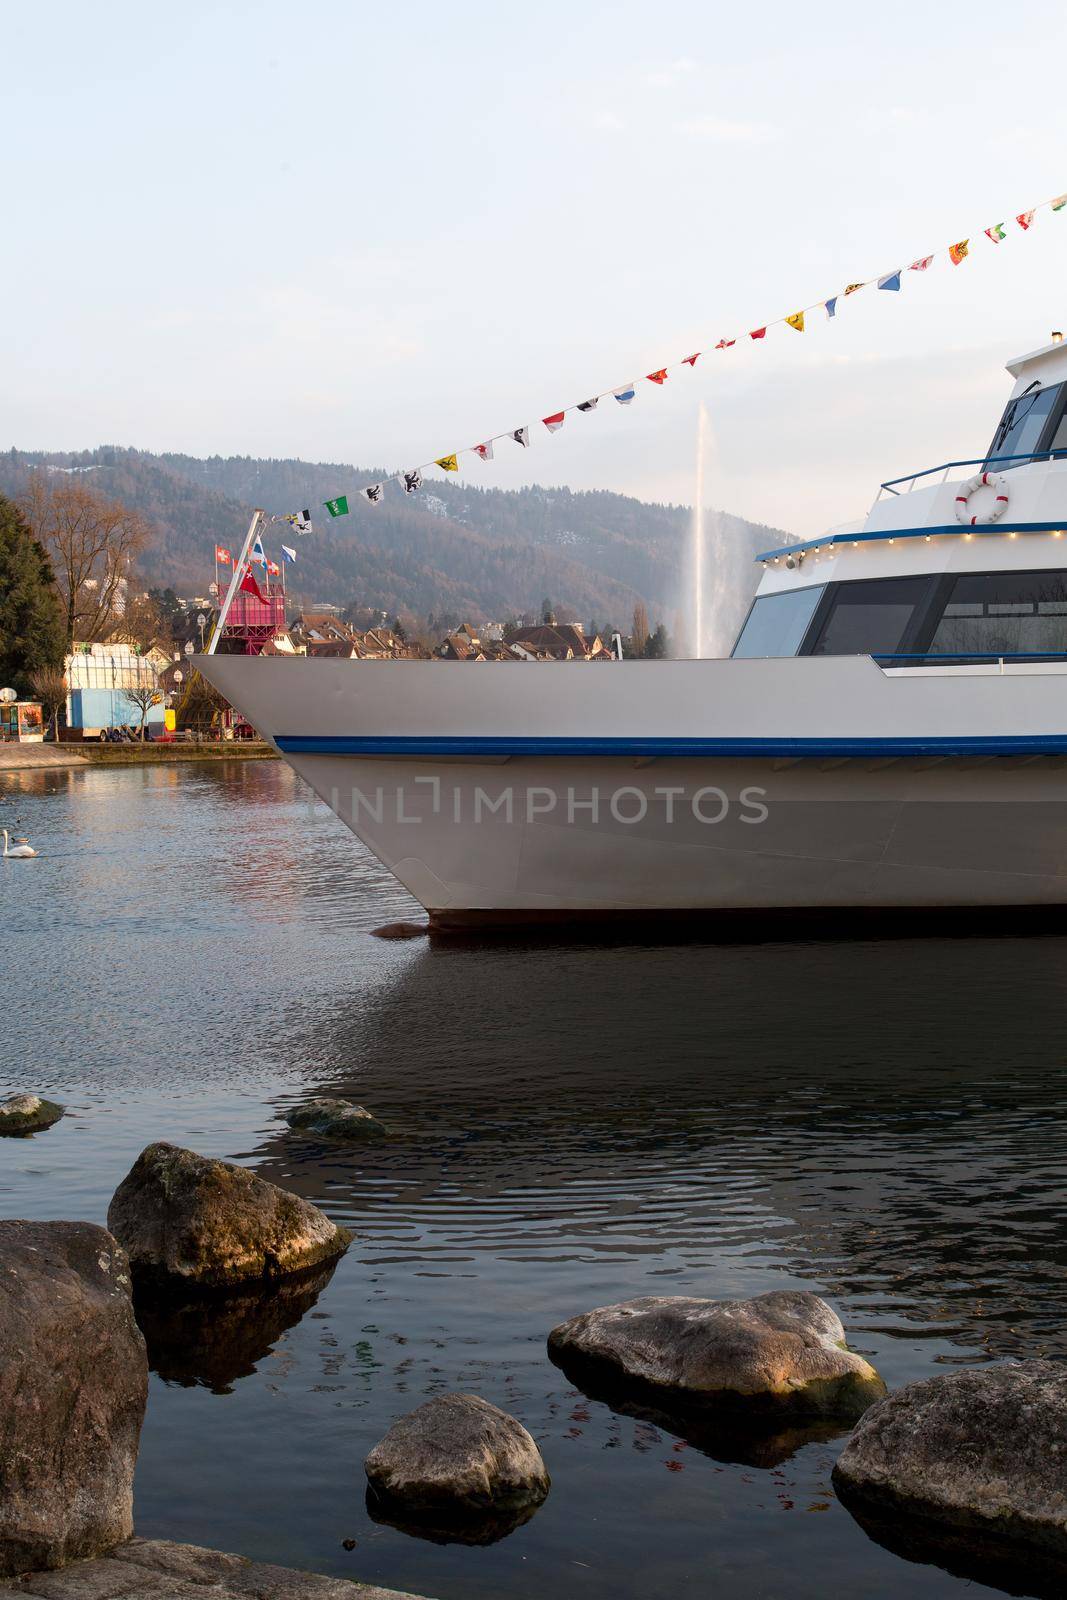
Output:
x=410 y=479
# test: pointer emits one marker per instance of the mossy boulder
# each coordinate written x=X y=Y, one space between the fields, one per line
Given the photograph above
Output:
x=187 y=1220
x=456 y=1468
x=968 y=1464
x=73 y=1386
x=335 y=1119
x=782 y=1353
x=27 y=1113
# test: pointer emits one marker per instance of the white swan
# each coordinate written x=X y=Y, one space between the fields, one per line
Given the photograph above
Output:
x=21 y=852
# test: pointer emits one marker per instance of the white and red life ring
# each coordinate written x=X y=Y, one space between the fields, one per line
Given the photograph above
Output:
x=982 y=480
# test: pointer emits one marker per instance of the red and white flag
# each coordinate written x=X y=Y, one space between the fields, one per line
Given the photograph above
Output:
x=273 y=569
x=222 y=557
x=691 y=361
x=724 y=344
x=920 y=265
x=1024 y=219
x=657 y=377
x=554 y=422
x=248 y=585
x=484 y=451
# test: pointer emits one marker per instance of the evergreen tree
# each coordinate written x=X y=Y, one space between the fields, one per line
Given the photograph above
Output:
x=658 y=644
x=31 y=618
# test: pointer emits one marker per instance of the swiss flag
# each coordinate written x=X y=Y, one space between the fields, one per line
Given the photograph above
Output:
x=222 y=556
x=248 y=585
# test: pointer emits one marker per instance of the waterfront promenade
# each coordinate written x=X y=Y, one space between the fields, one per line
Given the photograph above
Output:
x=49 y=757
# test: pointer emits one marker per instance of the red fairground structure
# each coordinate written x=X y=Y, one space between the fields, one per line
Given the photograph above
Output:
x=250 y=622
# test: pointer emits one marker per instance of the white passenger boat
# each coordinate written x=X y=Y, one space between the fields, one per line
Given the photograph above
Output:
x=890 y=731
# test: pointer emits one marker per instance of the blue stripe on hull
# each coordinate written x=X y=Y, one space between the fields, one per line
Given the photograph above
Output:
x=399 y=745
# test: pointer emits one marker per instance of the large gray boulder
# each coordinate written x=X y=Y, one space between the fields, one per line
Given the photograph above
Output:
x=454 y=1460
x=73 y=1386
x=976 y=1458
x=27 y=1113
x=335 y=1119
x=782 y=1352
x=187 y=1220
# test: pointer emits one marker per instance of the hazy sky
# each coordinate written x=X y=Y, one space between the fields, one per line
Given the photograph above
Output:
x=379 y=233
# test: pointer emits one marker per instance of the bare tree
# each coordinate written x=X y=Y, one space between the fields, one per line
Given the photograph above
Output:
x=143 y=695
x=91 y=542
x=50 y=687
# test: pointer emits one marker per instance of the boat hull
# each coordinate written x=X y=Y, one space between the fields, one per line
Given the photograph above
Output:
x=508 y=793
x=531 y=839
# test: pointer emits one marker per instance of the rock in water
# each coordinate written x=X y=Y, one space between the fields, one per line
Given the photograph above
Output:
x=27 y=1113
x=73 y=1385
x=457 y=1457
x=187 y=1220
x=783 y=1352
x=335 y=1119
x=975 y=1452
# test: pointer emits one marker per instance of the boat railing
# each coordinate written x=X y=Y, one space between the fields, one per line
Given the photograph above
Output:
x=968 y=658
x=891 y=486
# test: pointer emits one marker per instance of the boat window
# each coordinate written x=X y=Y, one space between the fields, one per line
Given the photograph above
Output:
x=1004 y=613
x=778 y=622
x=1023 y=423
x=871 y=618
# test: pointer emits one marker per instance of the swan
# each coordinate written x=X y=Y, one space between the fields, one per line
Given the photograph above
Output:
x=21 y=852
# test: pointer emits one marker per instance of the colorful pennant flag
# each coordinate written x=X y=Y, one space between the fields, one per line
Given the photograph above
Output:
x=273 y=569
x=288 y=552
x=412 y=480
x=257 y=553
x=222 y=556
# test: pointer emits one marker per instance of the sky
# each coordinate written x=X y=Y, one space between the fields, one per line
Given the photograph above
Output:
x=378 y=234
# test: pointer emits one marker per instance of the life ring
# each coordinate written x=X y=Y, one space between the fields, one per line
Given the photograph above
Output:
x=982 y=480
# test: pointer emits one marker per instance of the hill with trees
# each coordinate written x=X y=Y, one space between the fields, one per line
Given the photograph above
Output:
x=451 y=549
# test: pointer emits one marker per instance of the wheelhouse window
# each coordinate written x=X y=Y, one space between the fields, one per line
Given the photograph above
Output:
x=777 y=623
x=1004 y=614
x=1024 y=422
x=876 y=616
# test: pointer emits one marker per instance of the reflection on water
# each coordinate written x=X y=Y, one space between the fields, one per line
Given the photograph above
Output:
x=882 y=1122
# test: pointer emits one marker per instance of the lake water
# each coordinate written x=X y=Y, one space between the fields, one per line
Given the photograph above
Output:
x=880 y=1121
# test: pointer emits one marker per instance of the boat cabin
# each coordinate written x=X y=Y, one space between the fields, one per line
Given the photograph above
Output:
x=961 y=564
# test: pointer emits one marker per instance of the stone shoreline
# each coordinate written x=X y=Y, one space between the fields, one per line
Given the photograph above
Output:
x=145 y=1568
